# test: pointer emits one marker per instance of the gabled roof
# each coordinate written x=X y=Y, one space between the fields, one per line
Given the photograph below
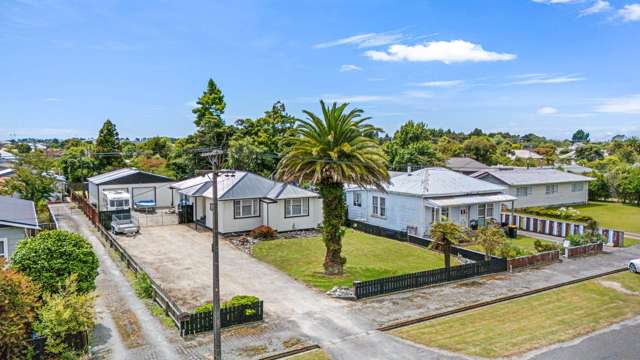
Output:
x=18 y=213
x=526 y=154
x=246 y=185
x=464 y=164
x=576 y=169
x=128 y=176
x=532 y=176
x=435 y=182
x=191 y=182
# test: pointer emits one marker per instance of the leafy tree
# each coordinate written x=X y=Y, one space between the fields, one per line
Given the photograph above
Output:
x=580 y=136
x=69 y=311
x=446 y=234
x=245 y=154
x=448 y=147
x=29 y=181
x=589 y=152
x=76 y=165
x=328 y=152
x=19 y=300
x=51 y=256
x=152 y=163
x=480 y=148
x=157 y=145
x=599 y=188
x=411 y=145
x=491 y=238
x=23 y=148
x=108 y=149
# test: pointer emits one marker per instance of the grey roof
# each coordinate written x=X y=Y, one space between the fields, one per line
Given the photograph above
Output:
x=531 y=176
x=434 y=182
x=191 y=182
x=4 y=172
x=526 y=154
x=18 y=213
x=4 y=154
x=576 y=169
x=246 y=185
x=137 y=176
x=465 y=164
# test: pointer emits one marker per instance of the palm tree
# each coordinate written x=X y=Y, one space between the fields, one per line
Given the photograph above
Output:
x=491 y=237
x=330 y=151
x=446 y=234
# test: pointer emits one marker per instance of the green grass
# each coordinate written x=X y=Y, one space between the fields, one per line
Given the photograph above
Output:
x=628 y=242
x=368 y=257
x=523 y=242
x=311 y=355
x=518 y=326
x=614 y=215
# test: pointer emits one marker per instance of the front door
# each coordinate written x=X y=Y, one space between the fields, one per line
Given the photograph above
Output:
x=464 y=217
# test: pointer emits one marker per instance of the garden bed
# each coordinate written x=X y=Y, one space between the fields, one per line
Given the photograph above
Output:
x=526 y=243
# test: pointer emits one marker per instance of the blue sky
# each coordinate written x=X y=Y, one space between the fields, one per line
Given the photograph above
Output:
x=543 y=66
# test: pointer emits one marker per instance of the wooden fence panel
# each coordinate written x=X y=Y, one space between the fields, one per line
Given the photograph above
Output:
x=229 y=316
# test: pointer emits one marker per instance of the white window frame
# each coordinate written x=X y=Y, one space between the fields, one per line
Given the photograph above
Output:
x=357 y=199
x=444 y=213
x=5 y=248
x=240 y=205
x=379 y=206
x=289 y=206
x=551 y=189
x=487 y=211
x=526 y=189
x=577 y=187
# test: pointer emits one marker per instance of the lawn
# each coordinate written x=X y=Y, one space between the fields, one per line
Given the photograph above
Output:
x=368 y=257
x=523 y=242
x=522 y=325
x=615 y=215
x=311 y=355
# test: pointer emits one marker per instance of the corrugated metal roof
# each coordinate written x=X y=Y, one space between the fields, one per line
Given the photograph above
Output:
x=526 y=154
x=185 y=184
x=465 y=163
x=532 y=176
x=18 y=213
x=469 y=200
x=114 y=175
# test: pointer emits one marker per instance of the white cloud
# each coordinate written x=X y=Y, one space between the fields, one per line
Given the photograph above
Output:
x=547 y=110
x=622 y=105
x=51 y=99
x=364 y=40
x=630 y=12
x=356 y=98
x=533 y=79
x=349 y=67
x=441 y=84
x=191 y=104
x=418 y=94
x=597 y=7
x=447 y=52
x=556 y=1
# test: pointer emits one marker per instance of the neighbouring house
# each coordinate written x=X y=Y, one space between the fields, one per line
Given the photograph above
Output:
x=465 y=165
x=413 y=201
x=575 y=169
x=525 y=154
x=540 y=186
x=181 y=190
x=7 y=158
x=129 y=188
x=247 y=200
x=18 y=220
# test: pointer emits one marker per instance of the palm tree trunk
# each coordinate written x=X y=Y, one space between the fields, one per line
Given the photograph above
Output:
x=333 y=207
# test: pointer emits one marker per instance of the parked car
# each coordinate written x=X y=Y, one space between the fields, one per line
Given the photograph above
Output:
x=634 y=266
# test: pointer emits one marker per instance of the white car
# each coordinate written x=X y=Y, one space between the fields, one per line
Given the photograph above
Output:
x=634 y=266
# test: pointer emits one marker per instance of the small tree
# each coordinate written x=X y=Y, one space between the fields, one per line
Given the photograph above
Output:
x=67 y=312
x=491 y=238
x=51 y=256
x=446 y=234
x=18 y=304
x=108 y=148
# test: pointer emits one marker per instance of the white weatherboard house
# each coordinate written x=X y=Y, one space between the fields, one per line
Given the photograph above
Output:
x=413 y=201
x=17 y=219
x=247 y=200
x=540 y=186
x=127 y=188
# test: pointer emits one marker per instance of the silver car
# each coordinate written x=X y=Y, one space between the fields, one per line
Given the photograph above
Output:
x=634 y=266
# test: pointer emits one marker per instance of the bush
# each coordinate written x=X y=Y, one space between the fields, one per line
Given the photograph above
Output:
x=66 y=312
x=263 y=232
x=50 y=257
x=564 y=213
x=542 y=247
x=18 y=305
x=142 y=286
x=237 y=300
x=509 y=251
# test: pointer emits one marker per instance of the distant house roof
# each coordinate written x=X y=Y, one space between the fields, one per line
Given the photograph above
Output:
x=532 y=176
x=7 y=156
x=242 y=185
x=436 y=182
x=465 y=164
x=576 y=169
x=525 y=154
x=128 y=176
x=5 y=172
x=18 y=213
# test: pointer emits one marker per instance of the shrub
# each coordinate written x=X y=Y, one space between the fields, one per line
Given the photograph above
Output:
x=142 y=286
x=237 y=300
x=542 y=247
x=18 y=304
x=565 y=213
x=509 y=250
x=68 y=311
x=263 y=232
x=51 y=256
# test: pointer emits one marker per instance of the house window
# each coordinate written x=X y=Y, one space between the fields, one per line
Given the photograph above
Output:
x=523 y=191
x=379 y=206
x=246 y=208
x=357 y=199
x=4 y=248
x=551 y=189
x=118 y=204
x=444 y=213
x=577 y=187
x=485 y=211
x=296 y=207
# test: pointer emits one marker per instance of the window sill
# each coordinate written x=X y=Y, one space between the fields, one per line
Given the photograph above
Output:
x=379 y=216
x=295 y=216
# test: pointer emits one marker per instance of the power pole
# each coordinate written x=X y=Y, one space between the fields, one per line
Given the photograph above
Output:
x=215 y=158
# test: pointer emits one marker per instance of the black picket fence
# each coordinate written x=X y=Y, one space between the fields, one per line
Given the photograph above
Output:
x=456 y=250
x=229 y=316
x=77 y=342
x=364 y=289
x=377 y=230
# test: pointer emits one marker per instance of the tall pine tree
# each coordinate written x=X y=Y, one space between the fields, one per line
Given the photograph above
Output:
x=108 y=156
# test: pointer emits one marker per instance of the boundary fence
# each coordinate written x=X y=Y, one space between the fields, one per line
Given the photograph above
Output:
x=583 y=250
x=531 y=260
x=78 y=342
x=229 y=316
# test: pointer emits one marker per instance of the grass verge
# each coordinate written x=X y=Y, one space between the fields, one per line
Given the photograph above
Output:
x=617 y=216
x=368 y=257
x=311 y=355
x=525 y=324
